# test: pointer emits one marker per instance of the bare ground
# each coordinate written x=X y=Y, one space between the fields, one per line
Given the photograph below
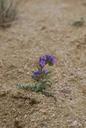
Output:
x=44 y=26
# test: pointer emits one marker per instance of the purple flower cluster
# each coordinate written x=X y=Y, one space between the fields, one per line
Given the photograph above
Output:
x=47 y=59
x=43 y=60
x=39 y=72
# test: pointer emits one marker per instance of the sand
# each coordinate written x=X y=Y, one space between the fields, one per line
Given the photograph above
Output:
x=44 y=27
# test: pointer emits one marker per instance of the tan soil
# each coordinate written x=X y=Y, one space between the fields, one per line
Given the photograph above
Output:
x=44 y=26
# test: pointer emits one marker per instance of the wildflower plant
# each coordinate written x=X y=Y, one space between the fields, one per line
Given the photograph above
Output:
x=41 y=74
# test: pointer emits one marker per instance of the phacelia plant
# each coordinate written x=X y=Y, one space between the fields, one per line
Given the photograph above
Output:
x=41 y=74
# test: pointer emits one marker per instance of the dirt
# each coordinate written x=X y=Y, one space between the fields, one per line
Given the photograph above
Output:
x=44 y=27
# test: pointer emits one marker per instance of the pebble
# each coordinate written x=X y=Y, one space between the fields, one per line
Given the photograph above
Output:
x=75 y=124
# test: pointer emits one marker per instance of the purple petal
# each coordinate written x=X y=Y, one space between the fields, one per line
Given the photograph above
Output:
x=51 y=59
x=37 y=73
x=45 y=71
x=42 y=61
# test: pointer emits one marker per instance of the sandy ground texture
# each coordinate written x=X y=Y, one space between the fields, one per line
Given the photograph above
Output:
x=44 y=27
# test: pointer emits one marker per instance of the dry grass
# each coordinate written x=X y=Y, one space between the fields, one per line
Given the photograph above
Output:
x=7 y=12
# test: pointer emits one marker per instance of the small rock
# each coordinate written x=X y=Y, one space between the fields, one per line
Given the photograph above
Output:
x=25 y=116
x=3 y=93
x=25 y=67
x=17 y=124
x=44 y=111
x=43 y=27
x=28 y=73
x=33 y=101
x=75 y=124
x=20 y=71
x=67 y=91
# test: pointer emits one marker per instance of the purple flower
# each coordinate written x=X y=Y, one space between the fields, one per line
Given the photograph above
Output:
x=42 y=61
x=51 y=60
x=47 y=59
x=42 y=72
x=36 y=73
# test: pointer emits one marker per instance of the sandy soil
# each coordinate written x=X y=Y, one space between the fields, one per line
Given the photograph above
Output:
x=44 y=26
